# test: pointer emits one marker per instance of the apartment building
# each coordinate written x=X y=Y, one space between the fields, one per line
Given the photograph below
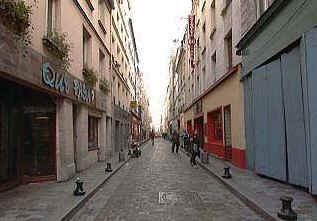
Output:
x=127 y=78
x=66 y=91
x=56 y=117
x=213 y=91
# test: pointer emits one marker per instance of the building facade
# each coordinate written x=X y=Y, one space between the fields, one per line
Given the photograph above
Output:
x=209 y=92
x=65 y=100
x=278 y=49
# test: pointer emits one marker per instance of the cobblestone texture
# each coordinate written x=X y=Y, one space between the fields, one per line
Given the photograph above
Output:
x=187 y=193
x=50 y=201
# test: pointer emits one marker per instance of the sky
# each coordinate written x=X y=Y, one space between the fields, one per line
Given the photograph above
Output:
x=156 y=25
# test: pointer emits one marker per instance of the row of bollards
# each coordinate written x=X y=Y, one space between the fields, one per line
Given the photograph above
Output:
x=286 y=212
x=79 y=185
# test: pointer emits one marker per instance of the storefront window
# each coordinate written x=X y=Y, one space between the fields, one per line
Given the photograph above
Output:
x=217 y=123
x=92 y=132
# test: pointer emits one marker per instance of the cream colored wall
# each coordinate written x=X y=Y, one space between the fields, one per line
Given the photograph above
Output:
x=230 y=92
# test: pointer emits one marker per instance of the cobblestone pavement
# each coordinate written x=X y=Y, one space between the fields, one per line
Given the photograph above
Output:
x=163 y=186
x=49 y=201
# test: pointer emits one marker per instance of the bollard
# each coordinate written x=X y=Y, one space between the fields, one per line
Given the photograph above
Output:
x=79 y=189
x=287 y=213
x=227 y=174
x=108 y=169
x=204 y=157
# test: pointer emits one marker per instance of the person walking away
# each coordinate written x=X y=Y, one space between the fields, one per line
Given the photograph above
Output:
x=195 y=147
x=186 y=141
x=152 y=137
x=177 y=141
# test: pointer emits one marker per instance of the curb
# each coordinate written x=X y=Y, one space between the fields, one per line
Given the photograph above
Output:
x=70 y=214
x=246 y=200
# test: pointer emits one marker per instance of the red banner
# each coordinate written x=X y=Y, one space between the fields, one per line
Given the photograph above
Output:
x=191 y=39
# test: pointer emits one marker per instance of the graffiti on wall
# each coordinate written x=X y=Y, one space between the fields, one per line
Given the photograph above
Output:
x=61 y=82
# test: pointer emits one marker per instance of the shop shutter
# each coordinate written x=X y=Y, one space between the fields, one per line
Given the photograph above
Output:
x=294 y=118
x=269 y=133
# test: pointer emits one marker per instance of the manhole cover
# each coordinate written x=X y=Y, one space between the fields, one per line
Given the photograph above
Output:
x=178 y=197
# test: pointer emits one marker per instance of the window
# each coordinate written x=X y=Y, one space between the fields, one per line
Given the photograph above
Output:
x=50 y=16
x=101 y=64
x=92 y=132
x=215 y=126
x=118 y=50
x=203 y=7
x=213 y=15
x=90 y=5
x=227 y=2
x=102 y=15
x=204 y=33
x=228 y=42
x=86 y=47
x=213 y=64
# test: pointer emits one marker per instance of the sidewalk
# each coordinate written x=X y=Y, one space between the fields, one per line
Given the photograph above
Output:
x=52 y=201
x=262 y=194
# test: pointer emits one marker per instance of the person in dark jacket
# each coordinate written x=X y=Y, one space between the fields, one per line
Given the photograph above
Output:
x=175 y=141
x=195 y=147
x=152 y=135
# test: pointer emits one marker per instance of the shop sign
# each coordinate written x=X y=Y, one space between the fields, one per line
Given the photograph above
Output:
x=63 y=83
x=191 y=38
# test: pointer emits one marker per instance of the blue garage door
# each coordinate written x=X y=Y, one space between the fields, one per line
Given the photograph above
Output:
x=269 y=134
x=294 y=118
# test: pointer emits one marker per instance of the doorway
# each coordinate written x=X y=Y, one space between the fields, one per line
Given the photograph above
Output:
x=227 y=125
x=199 y=126
x=39 y=152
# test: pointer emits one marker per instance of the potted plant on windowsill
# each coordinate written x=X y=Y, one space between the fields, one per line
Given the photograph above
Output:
x=59 y=46
x=90 y=76
x=15 y=15
x=104 y=85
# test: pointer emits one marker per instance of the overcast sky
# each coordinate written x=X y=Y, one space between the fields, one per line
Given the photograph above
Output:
x=156 y=25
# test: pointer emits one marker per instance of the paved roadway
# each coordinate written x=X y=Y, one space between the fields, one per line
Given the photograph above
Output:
x=163 y=186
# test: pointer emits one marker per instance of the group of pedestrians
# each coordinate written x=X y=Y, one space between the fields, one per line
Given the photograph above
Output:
x=190 y=144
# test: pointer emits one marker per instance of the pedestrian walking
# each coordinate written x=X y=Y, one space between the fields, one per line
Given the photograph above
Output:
x=175 y=141
x=152 y=137
x=195 y=148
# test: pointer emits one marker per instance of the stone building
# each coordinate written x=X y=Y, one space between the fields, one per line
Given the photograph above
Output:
x=60 y=114
x=212 y=70
x=55 y=123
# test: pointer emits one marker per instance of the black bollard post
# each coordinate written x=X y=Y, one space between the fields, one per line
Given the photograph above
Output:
x=287 y=213
x=108 y=169
x=227 y=174
x=79 y=189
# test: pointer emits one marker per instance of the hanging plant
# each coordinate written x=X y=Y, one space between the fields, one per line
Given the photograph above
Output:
x=104 y=85
x=15 y=15
x=60 y=47
x=90 y=76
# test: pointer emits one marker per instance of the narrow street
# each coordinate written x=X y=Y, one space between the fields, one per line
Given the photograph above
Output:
x=163 y=186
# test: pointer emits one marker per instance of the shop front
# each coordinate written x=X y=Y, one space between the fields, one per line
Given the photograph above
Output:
x=27 y=135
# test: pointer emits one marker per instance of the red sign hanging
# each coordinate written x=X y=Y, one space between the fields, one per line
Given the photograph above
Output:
x=191 y=38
